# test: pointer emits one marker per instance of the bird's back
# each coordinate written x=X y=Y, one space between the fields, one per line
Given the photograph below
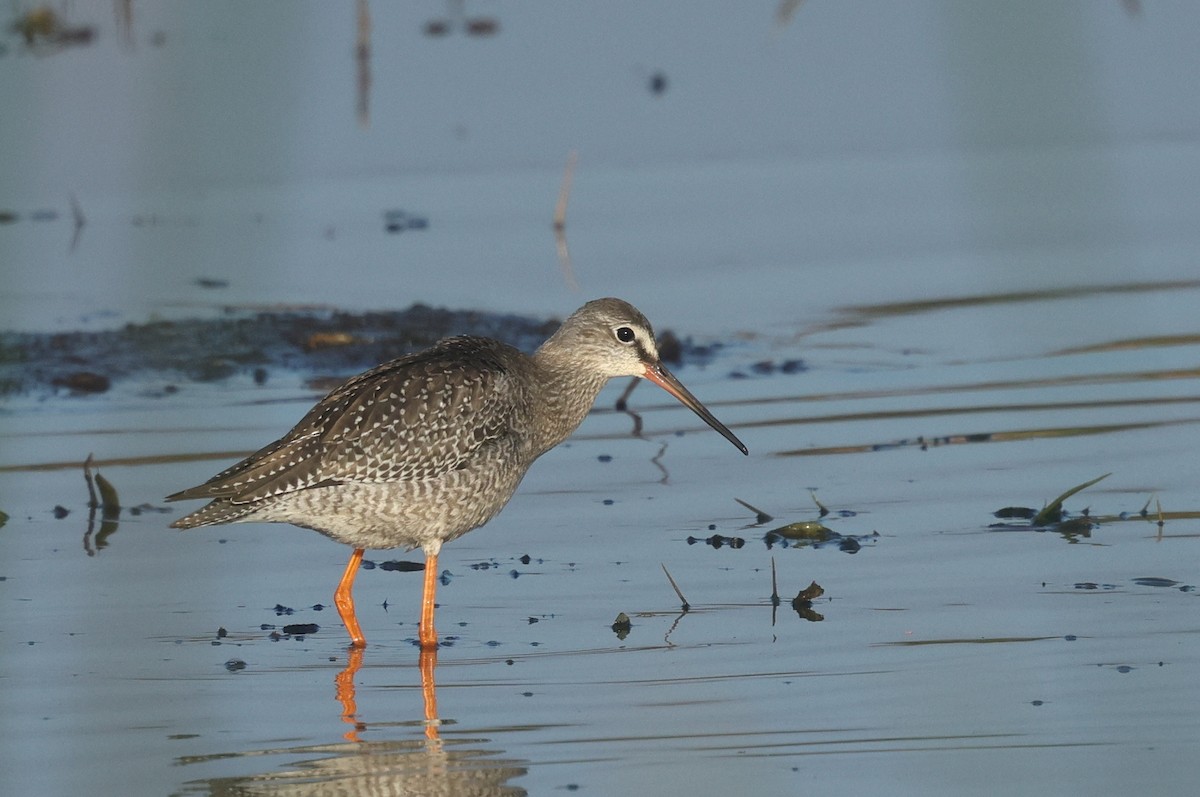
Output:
x=413 y=419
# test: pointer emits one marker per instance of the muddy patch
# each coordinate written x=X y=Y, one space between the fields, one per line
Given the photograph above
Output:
x=243 y=343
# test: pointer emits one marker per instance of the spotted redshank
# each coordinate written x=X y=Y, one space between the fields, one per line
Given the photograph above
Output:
x=422 y=449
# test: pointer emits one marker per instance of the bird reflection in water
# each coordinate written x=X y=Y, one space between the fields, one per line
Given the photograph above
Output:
x=396 y=767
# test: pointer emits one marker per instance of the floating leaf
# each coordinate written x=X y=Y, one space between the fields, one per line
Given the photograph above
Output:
x=1052 y=513
x=807 y=530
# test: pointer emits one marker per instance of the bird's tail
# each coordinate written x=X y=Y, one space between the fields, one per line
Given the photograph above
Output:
x=215 y=513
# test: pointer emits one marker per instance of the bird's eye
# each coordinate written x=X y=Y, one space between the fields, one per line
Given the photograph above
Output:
x=625 y=335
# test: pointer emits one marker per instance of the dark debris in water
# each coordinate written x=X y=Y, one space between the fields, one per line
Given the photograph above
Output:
x=1151 y=581
x=396 y=221
x=1073 y=526
x=45 y=30
x=1156 y=581
x=207 y=350
x=718 y=541
x=400 y=566
x=622 y=626
x=771 y=367
x=803 y=602
x=83 y=382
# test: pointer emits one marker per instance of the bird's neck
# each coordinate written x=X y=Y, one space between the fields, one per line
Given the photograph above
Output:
x=566 y=396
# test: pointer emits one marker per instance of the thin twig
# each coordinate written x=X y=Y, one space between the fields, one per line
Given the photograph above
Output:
x=774 y=585
x=656 y=460
x=560 y=223
x=123 y=9
x=564 y=193
x=686 y=606
x=760 y=516
x=79 y=221
x=822 y=509
x=93 y=503
x=362 y=57
x=775 y=601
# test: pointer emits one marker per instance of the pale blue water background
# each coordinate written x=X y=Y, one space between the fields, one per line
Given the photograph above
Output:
x=1028 y=169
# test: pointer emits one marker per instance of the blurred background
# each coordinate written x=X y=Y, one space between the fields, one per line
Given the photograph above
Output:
x=936 y=259
x=741 y=165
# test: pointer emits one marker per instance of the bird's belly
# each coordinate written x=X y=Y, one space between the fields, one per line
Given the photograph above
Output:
x=395 y=514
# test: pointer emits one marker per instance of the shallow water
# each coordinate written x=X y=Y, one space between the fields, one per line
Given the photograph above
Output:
x=949 y=655
x=980 y=330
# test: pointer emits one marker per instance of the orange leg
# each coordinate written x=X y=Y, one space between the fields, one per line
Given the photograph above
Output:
x=427 y=634
x=345 y=601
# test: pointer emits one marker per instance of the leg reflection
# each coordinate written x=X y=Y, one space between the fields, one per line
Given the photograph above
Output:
x=345 y=692
x=429 y=692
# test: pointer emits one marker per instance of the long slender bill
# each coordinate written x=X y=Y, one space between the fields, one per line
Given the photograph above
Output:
x=660 y=376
